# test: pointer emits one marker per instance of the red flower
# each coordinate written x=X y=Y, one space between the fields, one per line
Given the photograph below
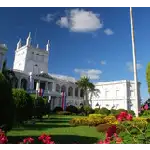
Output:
x=111 y=130
x=28 y=140
x=123 y=114
x=129 y=117
x=3 y=140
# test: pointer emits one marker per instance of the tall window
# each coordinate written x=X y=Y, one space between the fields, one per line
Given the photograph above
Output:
x=70 y=91
x=117 y=93
x=57 y=88
x=76 y=92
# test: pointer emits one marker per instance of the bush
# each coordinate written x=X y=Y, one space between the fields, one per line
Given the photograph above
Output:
x=97 y=110
x=120 y=110
x=23 y=105
x=72 y=109
x=93 y=121
x=131 y=112
x=63 y=113
x=111 y=119
x=113 y=112
x=6 y=105
x=40 y=107
x=57 y=109
x=104 y=111
x=96 y=116
x=146 y=113
x=86 y=121
x=88 y=110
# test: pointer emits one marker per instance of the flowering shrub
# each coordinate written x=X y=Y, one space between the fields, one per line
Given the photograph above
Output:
x=3 y=138
x=136 y=130
x=96 y=116
x=44 y=139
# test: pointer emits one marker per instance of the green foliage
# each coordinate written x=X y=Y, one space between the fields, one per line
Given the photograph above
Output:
x=87 y=110
x=9 y=74
x=57 y=109
x=96 y=116
x=97 y=110
x=93 y=121
x=113 y=112
x=135 y=132
x=148 y=76
x=40 y=107
x=131 y=112
x=72 y=109
x=86 y=121
x=6 y=104
x=146 y=113
x=63 y=113
x=85 y=84
x=104 y=111
x=23 y=104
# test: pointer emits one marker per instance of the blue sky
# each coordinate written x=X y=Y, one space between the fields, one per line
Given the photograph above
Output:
x=91 y=41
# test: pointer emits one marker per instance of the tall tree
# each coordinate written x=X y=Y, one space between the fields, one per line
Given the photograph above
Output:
x=9 y=74
x=85 y=84
x=148 y=76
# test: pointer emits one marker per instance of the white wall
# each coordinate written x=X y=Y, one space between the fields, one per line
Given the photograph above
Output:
x=117 y=94
x=27 y=57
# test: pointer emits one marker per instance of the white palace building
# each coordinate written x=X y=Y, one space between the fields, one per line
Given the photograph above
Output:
x=33 y=61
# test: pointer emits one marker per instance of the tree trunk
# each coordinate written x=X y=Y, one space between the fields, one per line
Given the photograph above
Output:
x=86 y=97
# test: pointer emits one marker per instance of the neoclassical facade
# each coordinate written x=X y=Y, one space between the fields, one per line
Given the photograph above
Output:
x=32 y=62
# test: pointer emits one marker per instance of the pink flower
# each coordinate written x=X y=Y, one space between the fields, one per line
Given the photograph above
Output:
x=28 y=140
x=146 y=107
x=129 y=117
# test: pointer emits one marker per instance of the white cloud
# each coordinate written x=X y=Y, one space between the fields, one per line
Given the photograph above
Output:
x=80 y=20
x=108 y=32
x=48 y=17
x=130 y=66
x=63 y=22
x=91 y=62
x=103 y=62
x=93 y=74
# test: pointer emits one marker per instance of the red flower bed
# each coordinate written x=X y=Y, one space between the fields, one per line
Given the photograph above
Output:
x=111 y=135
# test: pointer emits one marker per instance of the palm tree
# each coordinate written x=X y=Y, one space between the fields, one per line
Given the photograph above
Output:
x=9 y=74
x=85 y=84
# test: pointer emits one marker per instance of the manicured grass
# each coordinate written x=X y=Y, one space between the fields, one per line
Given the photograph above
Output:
x=59 y=129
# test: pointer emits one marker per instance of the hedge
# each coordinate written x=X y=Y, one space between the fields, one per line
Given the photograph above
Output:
x=6 y=105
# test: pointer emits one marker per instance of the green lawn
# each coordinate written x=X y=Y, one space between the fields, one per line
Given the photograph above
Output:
x=59 y=129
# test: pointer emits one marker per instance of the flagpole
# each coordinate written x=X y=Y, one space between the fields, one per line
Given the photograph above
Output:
x=134 y=65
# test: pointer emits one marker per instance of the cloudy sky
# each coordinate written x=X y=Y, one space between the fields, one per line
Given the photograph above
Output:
x=95 y=42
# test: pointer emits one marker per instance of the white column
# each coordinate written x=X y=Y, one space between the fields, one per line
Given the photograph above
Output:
x=46 y=86
x=19 y=83
x=54 y=87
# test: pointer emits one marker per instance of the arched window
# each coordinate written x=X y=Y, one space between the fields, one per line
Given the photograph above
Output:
x=70 y=91
x=63 y=89
x=24 y=84
x=57 y=87
x=14 y=82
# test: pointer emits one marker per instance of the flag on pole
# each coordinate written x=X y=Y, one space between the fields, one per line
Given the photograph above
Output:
x=41 y=92
x=63 y=97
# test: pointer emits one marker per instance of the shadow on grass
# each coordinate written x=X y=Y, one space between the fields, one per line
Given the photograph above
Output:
x=58 y=139
x=55 y=121
x=59 y=118
x=39 y=126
